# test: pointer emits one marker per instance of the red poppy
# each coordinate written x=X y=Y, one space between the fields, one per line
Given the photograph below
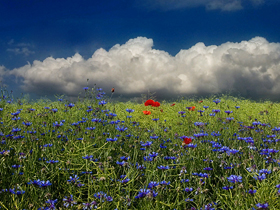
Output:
x=161 y=110
x=187 y=140
x=149 y=102
x=200 y=101
x=113 y=90
x=191 y=108
x=147 y=112
x=156 y=104
x=172 y=104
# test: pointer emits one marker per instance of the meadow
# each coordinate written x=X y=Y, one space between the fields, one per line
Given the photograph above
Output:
x=92 y=154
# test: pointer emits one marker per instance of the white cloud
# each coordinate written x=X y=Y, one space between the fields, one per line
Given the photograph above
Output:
x=249 y=67
x=224 y=5
x=21 y=51
x=20 y=48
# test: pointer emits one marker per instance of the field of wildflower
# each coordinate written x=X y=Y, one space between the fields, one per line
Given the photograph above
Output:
x=93 y=154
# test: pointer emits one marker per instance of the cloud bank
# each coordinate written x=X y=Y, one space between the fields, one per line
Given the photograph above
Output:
x=251 y=68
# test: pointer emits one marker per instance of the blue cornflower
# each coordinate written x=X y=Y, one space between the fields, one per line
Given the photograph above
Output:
x=264 y=171
x=35 y=182
x=204 y=175
x=260 y=178
x=146 y=193
x=16 y=113
x=87 y=157
x=228 y=112
x=124 y=180
x=27 y=123
x=153 y=154
x=216 y=110
x=199 y=123
x=208 y=169
x=168 y=158
x=80 y=184
x=96 y=120
x=69 y=200
x=121 y=128
x=89 y=205
x=208 y=206
x=163 y=167
x=86 y=172
x=147 y=158
x=70 y=105
x=19 y=192
x=234 y=179
x=14 y=130
x=73 y=179
x=109 y=198
x=52 y=161
x=140 y=167
x=111 y=139
x=152 y=185
x=228 y=187
x=262 y=206
x=16 y=166
x=123 y=163
x=191 y=145
x=45 y=183
x=125 y=158
x=250 y=191
x=153 y=137
x=164 y=183
x=188 y=189
x=51 y=202
x=57 y=125
x=217 y=101
x=232 y=151
x=101 y=195
x=102 y=103
x=147 y=144
x=130 y=110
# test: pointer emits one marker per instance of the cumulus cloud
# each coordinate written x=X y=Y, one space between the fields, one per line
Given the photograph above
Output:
x=223 y=5
x=251 y=68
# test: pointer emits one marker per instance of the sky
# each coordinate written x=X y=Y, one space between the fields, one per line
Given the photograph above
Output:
x=173 y=48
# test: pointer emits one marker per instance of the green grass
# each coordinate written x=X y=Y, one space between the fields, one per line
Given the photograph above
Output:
x=68 y=144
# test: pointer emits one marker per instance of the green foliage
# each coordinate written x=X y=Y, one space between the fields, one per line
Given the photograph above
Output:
x=69 y=143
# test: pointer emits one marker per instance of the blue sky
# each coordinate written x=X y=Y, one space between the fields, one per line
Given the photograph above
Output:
x=173 y=48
